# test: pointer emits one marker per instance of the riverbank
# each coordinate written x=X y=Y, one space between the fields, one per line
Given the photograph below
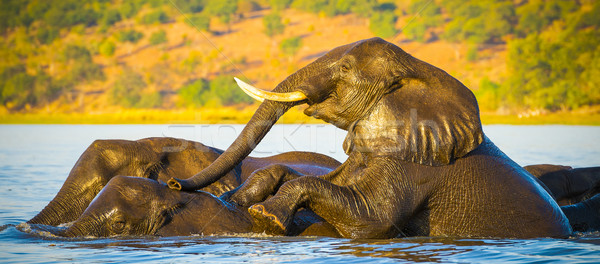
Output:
x=232 y=115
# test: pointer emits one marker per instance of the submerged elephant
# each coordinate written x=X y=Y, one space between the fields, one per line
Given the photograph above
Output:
x=134 y=206
x=157 y=159
x=578 y=190
x=568 y=185
x=418 y=161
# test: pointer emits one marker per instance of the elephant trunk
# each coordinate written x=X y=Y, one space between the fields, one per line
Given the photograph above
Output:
x=259 y=125
x=75 y=230
x=72 y=199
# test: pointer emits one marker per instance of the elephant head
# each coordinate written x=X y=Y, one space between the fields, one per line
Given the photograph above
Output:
x=389 y=102
x=133 y=206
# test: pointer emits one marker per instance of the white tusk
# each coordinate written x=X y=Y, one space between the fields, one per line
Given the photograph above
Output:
x=260 y=95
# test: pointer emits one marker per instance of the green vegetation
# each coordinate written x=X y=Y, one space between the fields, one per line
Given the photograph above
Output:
x=107 y=48
x=221 y=91
x=158 y=37
x=53 y=50
x=155 y=17
x=130 y=35
x=224 y=9
x=273 y=24
x=424 y=18
x=382 y=24
x=199 y=21
x=129 y=91
x=290 y=46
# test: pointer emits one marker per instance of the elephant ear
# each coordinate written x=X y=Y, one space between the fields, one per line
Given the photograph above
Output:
x=427 y=121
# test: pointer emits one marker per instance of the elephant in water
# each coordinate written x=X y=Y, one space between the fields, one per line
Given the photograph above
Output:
x=578 y=190
x=161 y=159
x=418 y=161
x=140 y=206
x=129 y=206
x=134 y=206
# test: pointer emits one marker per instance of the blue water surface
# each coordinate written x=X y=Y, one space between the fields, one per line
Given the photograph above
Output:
x=35 y=161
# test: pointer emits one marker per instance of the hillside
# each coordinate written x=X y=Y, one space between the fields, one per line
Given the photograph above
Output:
x=172 y=57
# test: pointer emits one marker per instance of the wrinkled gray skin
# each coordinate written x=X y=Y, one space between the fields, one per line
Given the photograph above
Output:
x=134 y=206
x=418 y=161
x=567 y=185
x=577 y=190
x=157 y=159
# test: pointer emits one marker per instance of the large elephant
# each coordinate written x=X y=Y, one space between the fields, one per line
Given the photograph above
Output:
x=418 y=160
x=157 y=159
x=134 y=206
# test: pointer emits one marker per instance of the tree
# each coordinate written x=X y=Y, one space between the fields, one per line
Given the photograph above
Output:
x=290 y=46
x=424 y=17
x=273 y=25
x=107 y=48
x=128 y=9
x=158 y=37
x=190 y=94
x=18 y=88
x=227 y=91
x=383 y=24
x=131 y=35
x=156 y=17
x=222 y=8
x=199 y=21
x=45 y=35
x=110 y=17
x=82 y=67
x=127 y=89
x=485 y=21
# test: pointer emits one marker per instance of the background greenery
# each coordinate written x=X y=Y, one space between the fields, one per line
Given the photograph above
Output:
x=553 y=46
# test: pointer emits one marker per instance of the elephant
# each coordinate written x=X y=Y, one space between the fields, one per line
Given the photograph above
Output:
x=419 y=163
x=568 y=185
x=577 y=190
x=134 y=206
x=158 y=159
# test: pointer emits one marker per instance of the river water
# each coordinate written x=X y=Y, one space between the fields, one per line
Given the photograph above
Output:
x=35 y=161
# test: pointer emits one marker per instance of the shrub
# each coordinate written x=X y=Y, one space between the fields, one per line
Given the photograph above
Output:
x=131 y=35
x=158 y=37
x=290 y=46
x=155 y=17
x=128 y=9
x=227 y=91
x=199 y=21
x=107 y=48
x=45 y=35
x=110 y=17
x=222 y=9
x=18 y=88
x=383 y=24
x=273 y=25
x=190 y=94
x=127 y=89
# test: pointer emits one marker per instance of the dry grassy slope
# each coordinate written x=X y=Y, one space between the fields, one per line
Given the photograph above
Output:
x=247 y=51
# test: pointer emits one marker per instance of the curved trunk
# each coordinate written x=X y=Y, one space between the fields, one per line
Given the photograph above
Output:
x=259 y=125
x=70 y=202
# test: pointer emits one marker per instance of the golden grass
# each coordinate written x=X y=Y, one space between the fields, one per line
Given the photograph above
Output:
x=223 y=115
x=234 y=115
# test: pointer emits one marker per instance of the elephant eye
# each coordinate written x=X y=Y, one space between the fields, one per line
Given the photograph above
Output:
x=118 y=227
x=345 y=67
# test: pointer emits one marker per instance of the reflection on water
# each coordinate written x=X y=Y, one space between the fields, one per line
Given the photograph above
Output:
x=35 y=160
x=583 y=248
